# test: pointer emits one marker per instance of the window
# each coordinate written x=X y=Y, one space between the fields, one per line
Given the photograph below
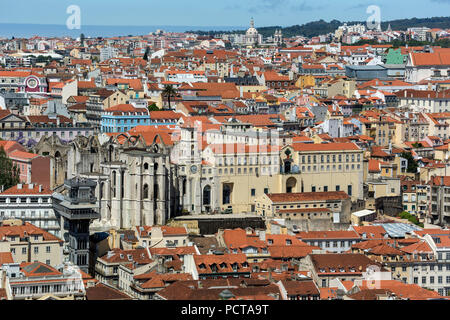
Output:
x=48 y=249
x=253 y=192
x=36 y=250
x=440 y=279
x=24 y=250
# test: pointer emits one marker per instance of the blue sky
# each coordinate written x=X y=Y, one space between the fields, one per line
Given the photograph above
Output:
x=213 y=12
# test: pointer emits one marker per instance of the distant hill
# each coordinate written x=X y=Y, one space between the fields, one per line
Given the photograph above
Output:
x=316 y=28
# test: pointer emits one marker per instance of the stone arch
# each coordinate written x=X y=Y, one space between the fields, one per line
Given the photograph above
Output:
x=207 y=195
x=114 y=181
x=145 y=191
x=291 y=185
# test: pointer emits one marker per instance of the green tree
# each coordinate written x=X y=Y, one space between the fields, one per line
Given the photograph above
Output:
x=412 y=164
x=9 y=172
x=147 y=51
x=169 y=92
x=82 y=38
x=153 y=107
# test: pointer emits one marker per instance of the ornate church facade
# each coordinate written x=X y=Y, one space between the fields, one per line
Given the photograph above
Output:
x=136 y=183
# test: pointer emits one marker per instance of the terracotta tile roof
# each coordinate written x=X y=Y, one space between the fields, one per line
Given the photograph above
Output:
x=301 y=288
x=4 y=114
x=281 y=240
x=122 y=108
x=211 y=289
x=222 y=262
x=103 y=292
x=370 y=294
x=374 y=165
x=134 y=84
x=378 y=152
x=9 y=146
x=423 y=232
x=441 y=58
x=403 y=290
x=308 y=147
x=437 y=181
x=46 y=119
x=328 y=293
x=6 y=257
x=178 y=251
x=86 y=84
x=27 y=228
x=291 y=251
x=444 y=241
x=308 y=196
x=165 y=114
x=78 y=106
x=372 y=232
x=303 y=235
x=140 y=256
x=144 y=231
x=80 y=99
x=162 y=280
x=238 y=239
x=332 y=263
x=21 y=155
x=25 y=190
x=38 y=269
x=418 y=247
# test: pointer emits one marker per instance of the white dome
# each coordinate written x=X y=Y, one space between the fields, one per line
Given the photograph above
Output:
x=252 y=31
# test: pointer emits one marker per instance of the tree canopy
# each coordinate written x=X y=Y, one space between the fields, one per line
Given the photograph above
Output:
x=169 y=92
x=412 y=164
x=9 y=173
x=153 y=107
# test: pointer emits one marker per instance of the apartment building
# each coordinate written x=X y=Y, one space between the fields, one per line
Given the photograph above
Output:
x=107 y=266
x=28 y=243
x=322 y=167
x=332 y=205
x=161 y=236
x=31 y=203
x=331 y=241
x=327 y=267
x=439 y=201
x=39 y=281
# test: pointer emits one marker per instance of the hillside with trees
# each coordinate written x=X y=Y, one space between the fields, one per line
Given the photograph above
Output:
x=316 y=28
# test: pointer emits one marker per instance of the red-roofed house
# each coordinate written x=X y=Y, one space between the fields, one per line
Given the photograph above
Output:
x=161 y=236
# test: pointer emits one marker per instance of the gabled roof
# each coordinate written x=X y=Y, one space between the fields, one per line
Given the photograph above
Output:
x=307 y=196
x=306 y=147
